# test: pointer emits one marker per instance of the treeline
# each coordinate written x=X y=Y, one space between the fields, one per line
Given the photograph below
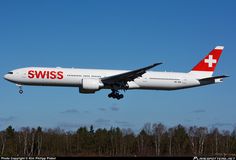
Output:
x=152 y=140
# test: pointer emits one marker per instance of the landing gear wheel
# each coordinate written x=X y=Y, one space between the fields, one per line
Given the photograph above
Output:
x=121 y=96
x=115 y=94
x=21 y=91
x=110 y=95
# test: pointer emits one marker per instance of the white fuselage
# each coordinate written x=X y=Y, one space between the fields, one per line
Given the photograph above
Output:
x=92 y=80
x=73 y=77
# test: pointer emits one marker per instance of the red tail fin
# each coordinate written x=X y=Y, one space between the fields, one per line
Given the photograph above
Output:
x=207 y=65
x=210 y=61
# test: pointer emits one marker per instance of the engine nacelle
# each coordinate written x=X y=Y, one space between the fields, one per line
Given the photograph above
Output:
x=90 y=85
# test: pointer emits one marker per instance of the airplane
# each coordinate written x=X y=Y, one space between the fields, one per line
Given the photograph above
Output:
x=91 y=80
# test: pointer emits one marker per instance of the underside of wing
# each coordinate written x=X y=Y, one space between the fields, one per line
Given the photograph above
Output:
x=127 y=76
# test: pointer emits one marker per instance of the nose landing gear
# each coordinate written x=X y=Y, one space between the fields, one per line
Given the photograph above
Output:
x=20 y=87
x=21 y=91
x=115 y=94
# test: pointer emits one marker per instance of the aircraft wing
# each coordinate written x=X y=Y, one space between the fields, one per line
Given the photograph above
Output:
x=127 y=76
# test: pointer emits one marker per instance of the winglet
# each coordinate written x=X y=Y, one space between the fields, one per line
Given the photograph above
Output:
x=156 y=64
x=151 y=66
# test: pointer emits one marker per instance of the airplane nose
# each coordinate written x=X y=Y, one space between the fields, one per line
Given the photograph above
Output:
x=6 y=77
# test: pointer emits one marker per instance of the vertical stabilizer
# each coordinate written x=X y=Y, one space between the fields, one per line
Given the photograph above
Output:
x=207 y=65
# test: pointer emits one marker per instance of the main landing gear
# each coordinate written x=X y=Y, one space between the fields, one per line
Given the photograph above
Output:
x=115 y=94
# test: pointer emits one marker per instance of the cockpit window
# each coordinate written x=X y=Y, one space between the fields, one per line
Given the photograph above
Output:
x=10 y=72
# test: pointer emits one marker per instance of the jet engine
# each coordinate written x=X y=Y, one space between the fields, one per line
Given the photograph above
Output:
x=90 y=85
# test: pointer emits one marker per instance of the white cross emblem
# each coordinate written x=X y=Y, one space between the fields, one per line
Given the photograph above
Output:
x=210 y=61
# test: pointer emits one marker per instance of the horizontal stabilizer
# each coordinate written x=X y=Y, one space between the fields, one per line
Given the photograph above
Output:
x=213 y=78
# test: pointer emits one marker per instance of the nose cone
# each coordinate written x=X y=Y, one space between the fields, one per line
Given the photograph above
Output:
x=6 y=77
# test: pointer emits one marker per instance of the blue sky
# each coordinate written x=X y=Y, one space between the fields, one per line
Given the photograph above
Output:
x=117 y=35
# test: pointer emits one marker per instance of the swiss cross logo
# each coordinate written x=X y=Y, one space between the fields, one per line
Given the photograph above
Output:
x=210 y=61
